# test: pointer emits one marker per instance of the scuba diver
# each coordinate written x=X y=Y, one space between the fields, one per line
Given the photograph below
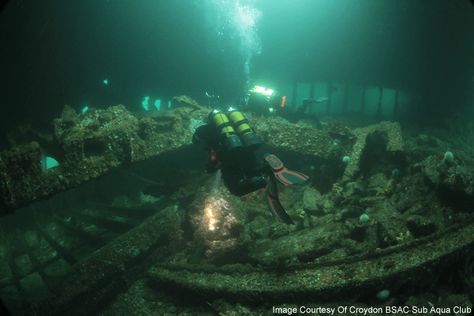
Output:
x=232 y=146
x=266 y=101
x=309 y=103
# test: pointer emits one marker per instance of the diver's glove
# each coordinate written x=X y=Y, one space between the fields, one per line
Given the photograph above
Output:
x=283 y=174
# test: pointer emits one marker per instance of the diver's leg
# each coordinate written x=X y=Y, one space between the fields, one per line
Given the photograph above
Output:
x=271 y=195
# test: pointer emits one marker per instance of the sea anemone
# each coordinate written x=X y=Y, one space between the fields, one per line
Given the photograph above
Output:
x=448 y=157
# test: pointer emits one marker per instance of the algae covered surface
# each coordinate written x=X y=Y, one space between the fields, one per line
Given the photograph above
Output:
x=365 y=226
x=236 y=157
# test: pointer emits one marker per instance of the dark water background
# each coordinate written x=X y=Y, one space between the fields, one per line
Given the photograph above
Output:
x=58 y=52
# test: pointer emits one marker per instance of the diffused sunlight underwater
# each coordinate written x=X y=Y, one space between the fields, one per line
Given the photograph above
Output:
x=218 y=157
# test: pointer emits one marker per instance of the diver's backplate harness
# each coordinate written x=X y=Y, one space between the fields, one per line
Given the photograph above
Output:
x=232 y=144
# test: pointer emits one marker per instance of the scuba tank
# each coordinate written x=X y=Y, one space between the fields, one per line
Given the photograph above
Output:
x=241 y=125
x=230 y=140
x=234 y=130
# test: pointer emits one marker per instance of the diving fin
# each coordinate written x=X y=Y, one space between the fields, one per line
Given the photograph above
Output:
x=283 y=174
x=271 y=195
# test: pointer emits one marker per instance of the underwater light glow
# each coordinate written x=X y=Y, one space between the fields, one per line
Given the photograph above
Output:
x=85 y=108
x=105 y=82
x=262 y=90
x=157 y=104
x=215 y=204
x=211 y=218
x=214 y=209
x=146 y=103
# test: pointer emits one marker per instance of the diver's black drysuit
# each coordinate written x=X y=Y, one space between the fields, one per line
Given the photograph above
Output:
x=245 y=171
x=242 y=171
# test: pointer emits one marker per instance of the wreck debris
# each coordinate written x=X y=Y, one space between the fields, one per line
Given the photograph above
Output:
x=106 y=272
x=300 y=139
x=184 y=100
x=90 y=145
x=455 y=181
x=325 y=280
x=361 y=237
x=317 y=243
x=21 y=176
x=97 y=141
x=394 y=144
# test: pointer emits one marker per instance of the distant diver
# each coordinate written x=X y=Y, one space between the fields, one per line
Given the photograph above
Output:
x=266 y=101
x=309 y=102
x=232 y=145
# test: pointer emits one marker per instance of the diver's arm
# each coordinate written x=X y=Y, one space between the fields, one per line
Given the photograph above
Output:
x=203 y=135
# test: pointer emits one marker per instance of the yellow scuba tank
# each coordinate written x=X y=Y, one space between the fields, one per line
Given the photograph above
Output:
x=228 y=135
x=243 y=129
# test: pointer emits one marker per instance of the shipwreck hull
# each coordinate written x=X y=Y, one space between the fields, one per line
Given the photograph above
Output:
x=100 y=278
x=133 y=244
x=365 y=274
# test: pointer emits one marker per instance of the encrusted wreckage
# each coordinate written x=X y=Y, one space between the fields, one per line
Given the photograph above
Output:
x=368 y=231
x=91 y=144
